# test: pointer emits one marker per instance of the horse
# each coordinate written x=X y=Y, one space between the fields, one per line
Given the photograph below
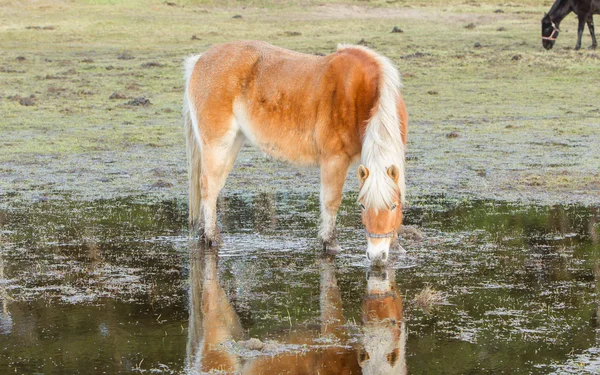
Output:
x=325 y=111
x=585 y=9
x=215 y=330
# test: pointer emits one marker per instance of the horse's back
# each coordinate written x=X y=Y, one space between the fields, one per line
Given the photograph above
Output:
x=295 y=106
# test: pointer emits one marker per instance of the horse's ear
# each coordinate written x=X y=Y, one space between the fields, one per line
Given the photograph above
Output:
x=362 y=174
x=394 y=173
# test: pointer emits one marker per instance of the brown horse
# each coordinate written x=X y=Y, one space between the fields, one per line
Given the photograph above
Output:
x=215 y=326
x=326 y=111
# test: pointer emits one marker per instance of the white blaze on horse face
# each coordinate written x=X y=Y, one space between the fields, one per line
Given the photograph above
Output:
x=378 y=249
x=381 y=222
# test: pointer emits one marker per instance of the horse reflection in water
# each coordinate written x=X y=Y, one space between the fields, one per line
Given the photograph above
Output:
x=214 y=323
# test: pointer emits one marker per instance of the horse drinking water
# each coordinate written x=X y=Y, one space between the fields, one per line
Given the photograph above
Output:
x=585 y=10
x=326 y=111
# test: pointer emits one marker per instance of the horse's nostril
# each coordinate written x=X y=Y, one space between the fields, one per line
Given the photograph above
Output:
x=368 y=256
x=384 y=257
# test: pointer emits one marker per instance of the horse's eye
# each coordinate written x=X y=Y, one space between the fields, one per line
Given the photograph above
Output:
x=362 y=206
x=393 y=207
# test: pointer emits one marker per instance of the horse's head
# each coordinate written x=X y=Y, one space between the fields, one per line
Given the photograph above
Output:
x=381 y=210
x=384 y=334
x=549 y=32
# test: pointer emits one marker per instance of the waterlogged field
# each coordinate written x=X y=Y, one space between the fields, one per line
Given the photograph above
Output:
x=97 y=274
x=114 y=286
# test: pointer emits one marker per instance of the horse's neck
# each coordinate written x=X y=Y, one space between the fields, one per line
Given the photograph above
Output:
x=559 y=10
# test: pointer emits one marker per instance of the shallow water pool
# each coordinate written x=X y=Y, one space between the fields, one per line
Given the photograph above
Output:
x=116 y=287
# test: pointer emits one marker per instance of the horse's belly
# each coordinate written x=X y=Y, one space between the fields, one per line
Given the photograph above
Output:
x=277 y=137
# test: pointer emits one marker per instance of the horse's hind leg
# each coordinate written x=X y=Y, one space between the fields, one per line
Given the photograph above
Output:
x=333 y=176
x=590 y=24
x=218 y=157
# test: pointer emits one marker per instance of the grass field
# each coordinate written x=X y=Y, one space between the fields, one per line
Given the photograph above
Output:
x=492 y=114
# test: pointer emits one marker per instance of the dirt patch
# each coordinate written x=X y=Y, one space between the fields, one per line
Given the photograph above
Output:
x=139 y=102
x=40 y=28
x=24 y=101
x=152 y=64
x=125 y=56
x=117 y=95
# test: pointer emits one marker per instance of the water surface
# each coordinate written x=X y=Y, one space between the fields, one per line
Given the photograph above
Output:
x=116 y=287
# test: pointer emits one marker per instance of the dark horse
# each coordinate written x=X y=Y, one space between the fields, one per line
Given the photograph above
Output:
x=585 y=9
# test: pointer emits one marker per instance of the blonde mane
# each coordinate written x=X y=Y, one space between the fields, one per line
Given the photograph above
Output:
x=382 y=145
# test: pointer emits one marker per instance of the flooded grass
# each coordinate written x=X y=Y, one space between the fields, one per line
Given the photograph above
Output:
x=427 y=299
x=110 y=286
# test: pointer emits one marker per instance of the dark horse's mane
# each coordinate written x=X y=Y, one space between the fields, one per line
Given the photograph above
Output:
x=555 y=6
x=560 y=8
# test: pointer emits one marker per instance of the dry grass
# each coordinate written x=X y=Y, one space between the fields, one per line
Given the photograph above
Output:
x=427 y=299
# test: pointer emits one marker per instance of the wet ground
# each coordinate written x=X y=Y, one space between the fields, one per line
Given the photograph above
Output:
x=115 y=286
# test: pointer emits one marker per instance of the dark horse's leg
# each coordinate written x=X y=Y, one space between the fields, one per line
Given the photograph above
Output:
x=590 y=23
x=582 y=18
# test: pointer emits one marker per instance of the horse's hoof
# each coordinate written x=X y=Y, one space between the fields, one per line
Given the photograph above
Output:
x=593 y=47
x=331 y=247
x=213 y=242
x=210 y=240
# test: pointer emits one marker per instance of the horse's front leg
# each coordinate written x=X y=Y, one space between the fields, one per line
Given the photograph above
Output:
x=580 y=28
x=590 y=24
x=333 y=175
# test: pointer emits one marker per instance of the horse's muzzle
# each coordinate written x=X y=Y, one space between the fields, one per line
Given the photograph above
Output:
x=548 y=44
x=378 y=250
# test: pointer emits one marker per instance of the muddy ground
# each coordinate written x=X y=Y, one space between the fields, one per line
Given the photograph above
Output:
x=96 y=271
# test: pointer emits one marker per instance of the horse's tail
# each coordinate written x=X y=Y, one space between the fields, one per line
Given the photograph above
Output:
x=193 y=147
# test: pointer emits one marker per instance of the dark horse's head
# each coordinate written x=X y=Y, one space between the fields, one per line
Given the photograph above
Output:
x=549 y=32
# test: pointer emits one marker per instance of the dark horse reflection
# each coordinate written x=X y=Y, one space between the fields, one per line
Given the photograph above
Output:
x=214 y=324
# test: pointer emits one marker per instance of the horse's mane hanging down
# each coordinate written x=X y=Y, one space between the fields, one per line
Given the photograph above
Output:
x=555 y=6
x=382 y=144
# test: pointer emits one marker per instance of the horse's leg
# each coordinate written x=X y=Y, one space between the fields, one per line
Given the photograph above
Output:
x=590 y=24
x=218 y=157
x=333 y=176
x=213 y=320
x=580 y=28
x=332 y=318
